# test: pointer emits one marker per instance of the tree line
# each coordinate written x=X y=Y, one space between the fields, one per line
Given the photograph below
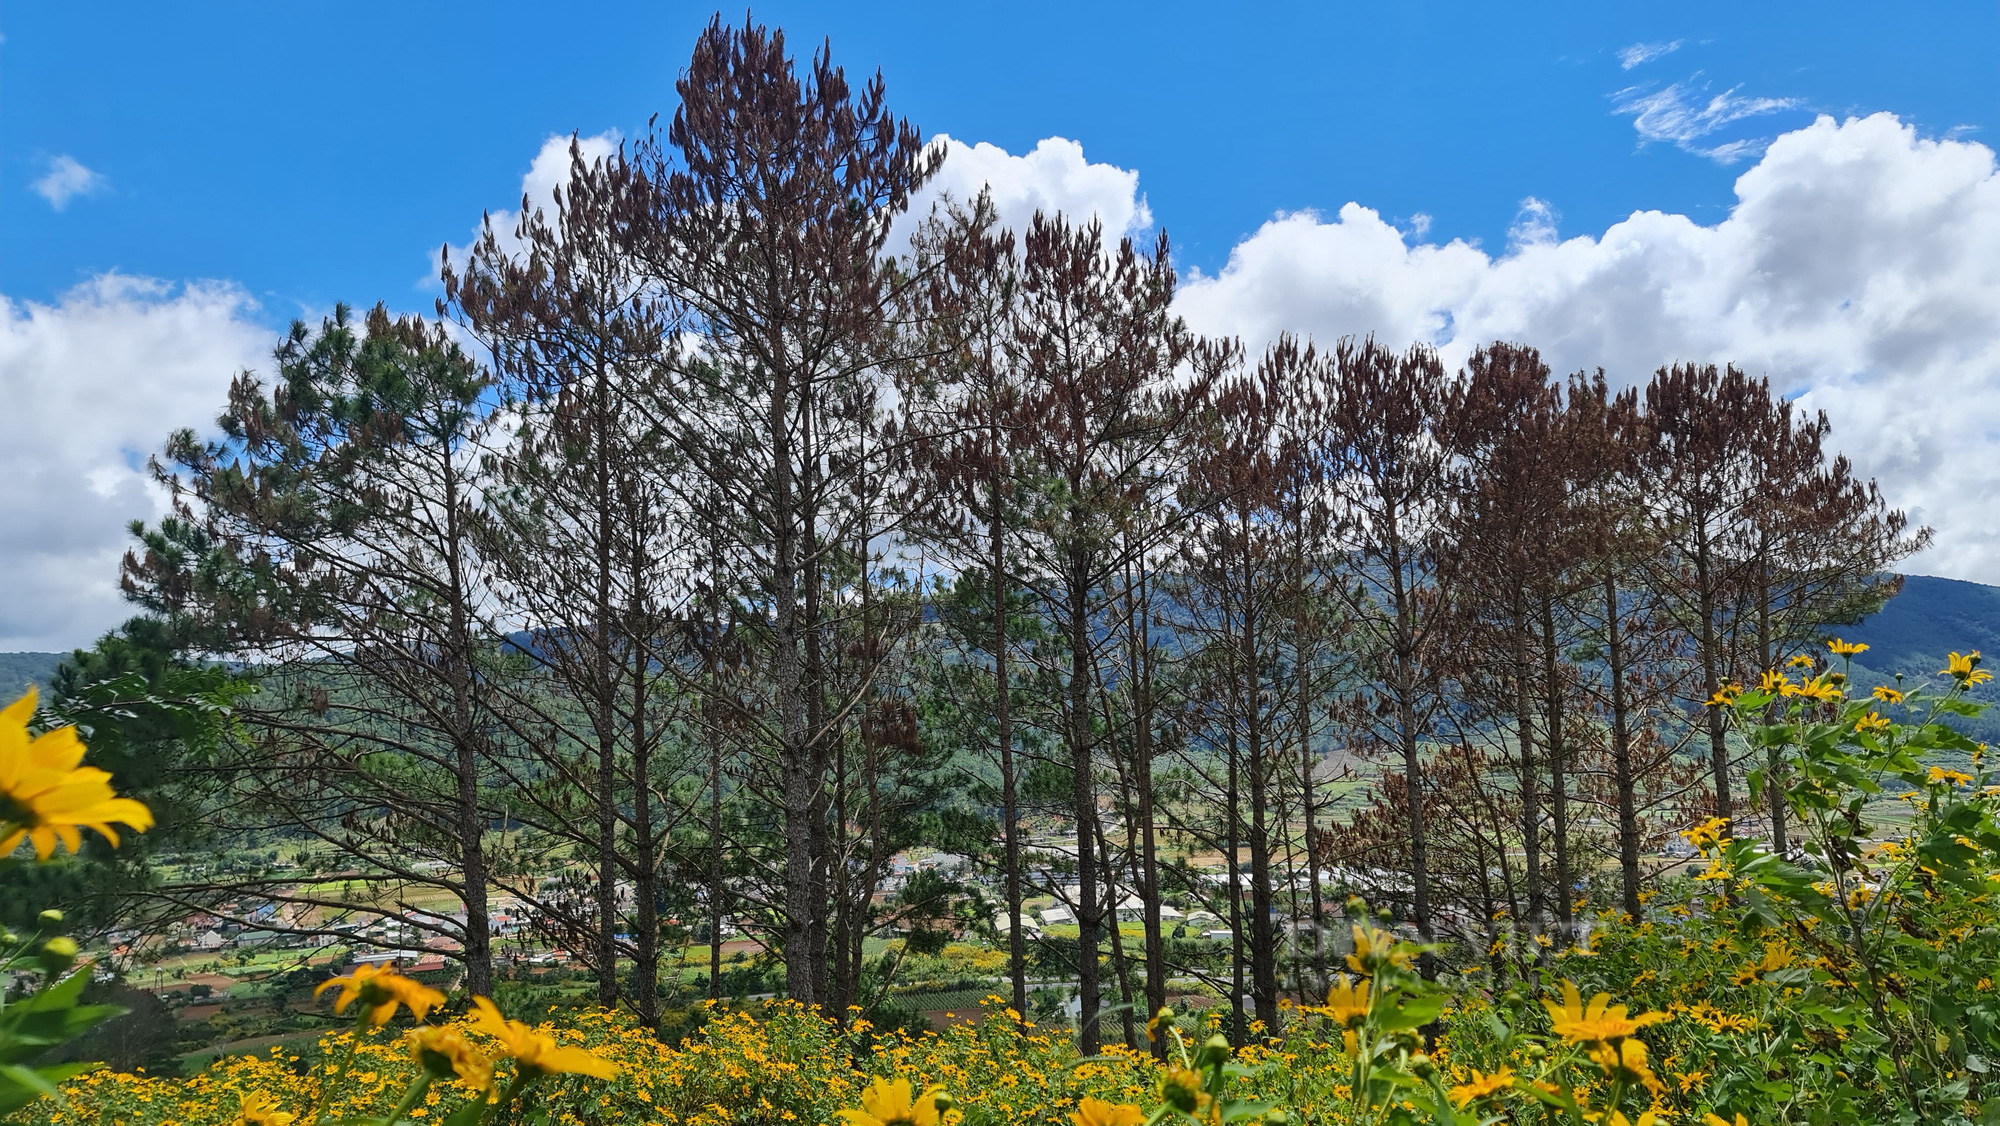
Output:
x=709 y=549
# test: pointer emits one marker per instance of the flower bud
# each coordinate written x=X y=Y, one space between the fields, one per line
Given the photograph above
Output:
x=1214 y=1052
x=50 y=918
x=58 y=953
x=1276 y=1116
x=1421 y=1066
x=1356 y=905
x=944 y=1103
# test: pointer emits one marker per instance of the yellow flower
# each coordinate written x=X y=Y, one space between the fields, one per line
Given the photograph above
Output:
x=1777 y=956
x=1377 y=947
x=1845 y=648
x=445 y=1052
x=1888 y=695
x=1726 y=695
x=1956 y=777
x=1599 y=1021
x=1773 y=681
x=260 y=1109
x=1689 y=1080
x=1718 y=1120
x=1965 y=669
x=1871 y=723
x=538 y=1054
x=1482 y=1086
x=1627 y=1057
x=1180 y=1088
x=1097 y=1112
x=1800 y=662
x=1816 y=688
x=1708 y=834
x=380 y=991
x=46 y=794
x=1348 y=1001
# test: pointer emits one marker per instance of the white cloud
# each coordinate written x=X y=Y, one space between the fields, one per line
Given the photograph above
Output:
x=1053 y=177
x=93 y=383
x=1859 y=269
x=1639 y=54
x=1534 y=223
x=1679 y=116
x=66 y=179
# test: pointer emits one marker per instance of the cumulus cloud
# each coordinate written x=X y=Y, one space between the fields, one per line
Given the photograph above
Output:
x=1534 y=223
x=1679 y=116
x=1859 y=268
x=65 y=179
x=93 y=383
x=1053 y=177
x=1639 y=54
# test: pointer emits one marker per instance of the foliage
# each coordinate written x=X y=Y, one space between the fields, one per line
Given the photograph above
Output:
x=1847 y=981
x=47 y=796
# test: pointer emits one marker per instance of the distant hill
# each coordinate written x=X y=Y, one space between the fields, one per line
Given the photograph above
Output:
x=1911 y=636
x=18 y=670
x=1915 y=631
x=1930 y=618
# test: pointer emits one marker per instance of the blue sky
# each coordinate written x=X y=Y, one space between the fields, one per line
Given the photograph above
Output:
x=314 y=152
x=1809 y=190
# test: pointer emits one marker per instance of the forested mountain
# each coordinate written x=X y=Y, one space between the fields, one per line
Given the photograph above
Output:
x=1930 y=618
x=1915 y=632
x=18 y=670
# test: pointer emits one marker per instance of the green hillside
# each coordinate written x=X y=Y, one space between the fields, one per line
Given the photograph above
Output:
x=18 y=670
x=1929 y=619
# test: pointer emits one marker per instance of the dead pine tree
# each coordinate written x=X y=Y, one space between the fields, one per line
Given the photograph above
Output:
x=589 y=534
x=773 y=194
x=1388 y=479
x=1096 y=345
x=964 y=306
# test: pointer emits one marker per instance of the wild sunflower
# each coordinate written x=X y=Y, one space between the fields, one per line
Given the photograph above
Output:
x=260 y=1109
x=537 y=1053
x=1482 y=1086
x=1964 y=668
x=1180 y=1088
x=1597 y=1022
x=446 y=1053
x=46 y=794
x=1097 y=1112
x=1627 y=1058
x=1708 y=834
x=1347 y=1001
x=379 y=992
x=1374 y=948
x=893 y=1102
